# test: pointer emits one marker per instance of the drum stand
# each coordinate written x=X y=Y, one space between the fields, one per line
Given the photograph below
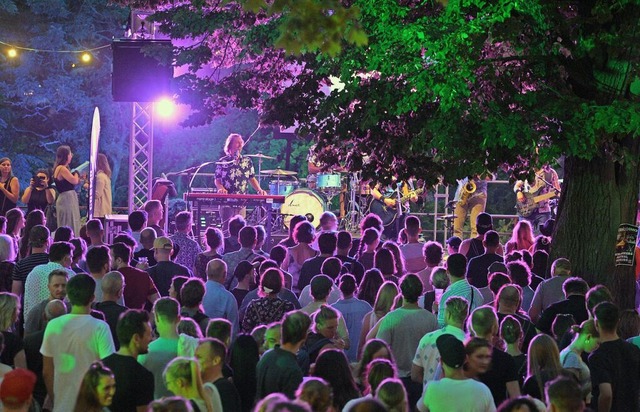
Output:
x=351 y=222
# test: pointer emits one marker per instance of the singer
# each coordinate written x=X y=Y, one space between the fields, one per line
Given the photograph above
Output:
x=234 y=174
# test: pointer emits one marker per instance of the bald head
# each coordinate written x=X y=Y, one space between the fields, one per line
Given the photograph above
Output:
x=112 y=283
x=147 y=236
x=54 y=309
x=217 y=270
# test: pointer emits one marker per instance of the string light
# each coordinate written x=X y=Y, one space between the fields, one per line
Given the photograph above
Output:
x=13 y=48
x=86 y=57
x=12 y=53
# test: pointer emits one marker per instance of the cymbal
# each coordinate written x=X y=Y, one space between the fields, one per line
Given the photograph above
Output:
x=279 y=172
x=260 y=156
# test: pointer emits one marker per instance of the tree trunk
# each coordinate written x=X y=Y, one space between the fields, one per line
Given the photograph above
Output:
x=597 y=196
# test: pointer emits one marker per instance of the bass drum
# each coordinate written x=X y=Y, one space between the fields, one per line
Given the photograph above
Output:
x=305 y=202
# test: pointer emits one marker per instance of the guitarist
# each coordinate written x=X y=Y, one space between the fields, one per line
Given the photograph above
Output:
x=384 y=203
x=546 y=182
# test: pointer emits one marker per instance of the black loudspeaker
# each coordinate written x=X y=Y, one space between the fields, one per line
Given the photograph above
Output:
x=142 y=70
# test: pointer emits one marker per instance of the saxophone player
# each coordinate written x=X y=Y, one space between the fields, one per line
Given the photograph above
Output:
x=471 y=198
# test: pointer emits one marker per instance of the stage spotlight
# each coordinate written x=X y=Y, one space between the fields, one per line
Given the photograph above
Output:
x=12 y=53
x=86 y=57
x=165 y=107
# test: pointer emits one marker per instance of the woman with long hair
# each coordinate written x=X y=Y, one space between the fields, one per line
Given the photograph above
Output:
x=13 y=353
x=96 y=390
x=521 y=237
x=367 y=247
x=182 y=377
x=375 y=352
x=398 y=258
x=214 y=239
x=39 y=194
x=67 y=207
x=543 y=365
x=304 y=233
x=15 y=224
x=9 y=187
x=382 y=305
x=370 y=285
x=511 y=333
x=35 y=217
x=269 y=307
x=384 y=261
x=317 y=393
x=103 y=198
x=244 y=359
x=332 y=366
x=585 y=340
x=7 y=262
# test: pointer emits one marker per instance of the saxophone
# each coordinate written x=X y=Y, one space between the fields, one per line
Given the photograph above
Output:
x=468 y=189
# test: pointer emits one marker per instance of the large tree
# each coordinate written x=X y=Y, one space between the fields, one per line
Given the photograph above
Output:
x=441 y=90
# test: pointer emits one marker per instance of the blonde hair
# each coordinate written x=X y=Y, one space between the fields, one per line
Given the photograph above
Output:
x=543 y=356
x=188 y=370
x=230 y=139
x=9 y=306
x=392 y=394
x=103 y=164
x=385 y=298
x=7 y=250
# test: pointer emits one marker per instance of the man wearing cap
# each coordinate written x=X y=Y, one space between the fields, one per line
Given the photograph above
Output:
x=464 y=394
x=165 y=270
x=16 y=390
x=139 y=288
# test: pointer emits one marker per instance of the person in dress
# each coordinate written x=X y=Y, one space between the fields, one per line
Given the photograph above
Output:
x=269 y=308
x=9 y=187
x=67 y=206
x=103 y=198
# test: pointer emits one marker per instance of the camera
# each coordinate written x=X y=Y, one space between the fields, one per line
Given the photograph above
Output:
x=38 y=181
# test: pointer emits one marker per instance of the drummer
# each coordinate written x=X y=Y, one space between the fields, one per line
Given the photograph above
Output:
x=234 y=174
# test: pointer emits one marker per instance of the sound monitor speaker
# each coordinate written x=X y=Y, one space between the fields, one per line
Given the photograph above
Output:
x=142 y=70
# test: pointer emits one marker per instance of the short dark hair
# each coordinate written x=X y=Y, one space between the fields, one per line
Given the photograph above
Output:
x=183 y=219
x=214 y=237
x=348 y=284
x=168 y=308
x=57 y=272
x=273 y=280
x=219 y=328
x=94 y=225
x=432 y=252
x=278 y=254
x=492 y=238
x=371 y=221
x=38 y=236
x=411 y=287
x=607 y=315
x=412 y=225
x=123 y=237
x=596 y=295
x=457 y=265
x=97 y=257
x=496 y=281
x=331 y=267
x=192 y=292
x=575 y=285
x=122 y=251
x=81 y=289
x=59 y=250
x=327 y=242
x=137 y=219
x=79 y=247
x=345 y=240
x=131 y=322
x=247 y=236
x=295 y=325
x=235 y=224
x=564 y=393
x=303 y=232
x=216 y=346
x=63 y=234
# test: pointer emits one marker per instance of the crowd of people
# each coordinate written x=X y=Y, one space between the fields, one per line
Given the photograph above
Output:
x=320 y=322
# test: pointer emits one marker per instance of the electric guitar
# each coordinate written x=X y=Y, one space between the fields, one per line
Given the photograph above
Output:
x=386 y=213
x=531 y=202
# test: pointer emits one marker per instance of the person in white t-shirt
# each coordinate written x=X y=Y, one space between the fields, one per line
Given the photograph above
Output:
x=72 y=343
x=455 y=391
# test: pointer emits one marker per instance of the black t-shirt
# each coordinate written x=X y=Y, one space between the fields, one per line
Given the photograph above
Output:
x=476 y=248
x=618 y=363
x=32 y=345
x=38 y=200
x=528 y=329
x=134 y=383
x=162 y=274
x=532 y=388
x=239 y=294
x=352 y=266
x=228 y=395
x=12 y=345
x=573 y=305
x=478 y=269
x=111 y=312
x=309 y=269
x=502 y=370
x=26 y=265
